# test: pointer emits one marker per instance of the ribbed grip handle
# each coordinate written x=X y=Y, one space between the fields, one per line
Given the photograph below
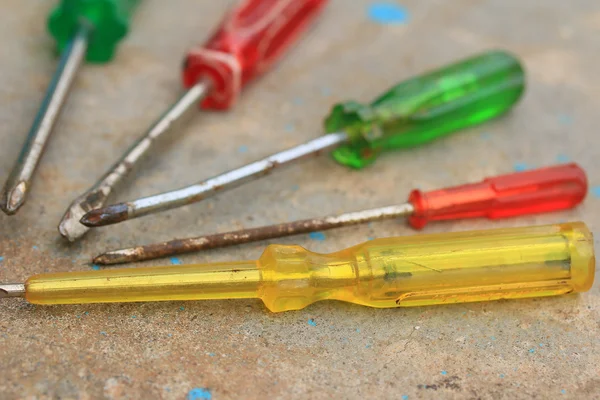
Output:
x=250 y=39
x=109 y=20
x=530 y=192
x=429 y=106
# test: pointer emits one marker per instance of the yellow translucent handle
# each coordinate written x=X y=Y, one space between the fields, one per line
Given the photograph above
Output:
x=435 y=269
x=395 y=272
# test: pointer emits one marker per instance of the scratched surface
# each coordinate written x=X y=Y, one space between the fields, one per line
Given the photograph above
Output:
x=539 y=348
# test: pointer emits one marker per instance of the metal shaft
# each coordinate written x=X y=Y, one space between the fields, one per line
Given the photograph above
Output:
x=12 y=290
x=194 y=193
x=180 y=246
x=96 y=196
x=18 y=184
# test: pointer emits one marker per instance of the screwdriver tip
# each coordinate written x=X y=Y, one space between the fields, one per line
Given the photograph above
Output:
x=108 y=258
x=12 y=290
x=69 y=227
x=106 y=216
x=13 y=198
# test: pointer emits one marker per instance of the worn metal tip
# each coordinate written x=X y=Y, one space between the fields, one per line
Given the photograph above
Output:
x=106 y=216
x=69 y=227
x=108 y=258
x=101 y=259
x=14 y=198
x=121 y=256
x=12 y=290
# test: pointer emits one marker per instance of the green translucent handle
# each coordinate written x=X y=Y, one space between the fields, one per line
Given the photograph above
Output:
x=109 y=20
x=427 y=107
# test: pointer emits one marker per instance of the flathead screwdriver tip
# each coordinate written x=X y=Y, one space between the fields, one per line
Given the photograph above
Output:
x=106 y=216
x=13 y=198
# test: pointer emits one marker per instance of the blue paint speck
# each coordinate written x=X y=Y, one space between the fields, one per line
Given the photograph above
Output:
x=1 y=258
x=320 y=236
x=404 y=397
x=486 y=135
x=493 y=337
x=387 y=13
x=357 y=330
x=562 y=158
x=444 y=372
x=541 y=344
x=169 y=334
x=368 y=346
x=199 y=394
x=175 y=261
x=298 y=101
x=563 y=391
x=520 y=167
x=211 y=354
x=35 y=248
x=95 y=267
x=289 y=127
x=86 y=312
x=243 y=149
x=595 y=191
x=501 y=375
x=325 y=91
x=103 y=333
x=133 y=317
x=370 y=238
x=532 y=350
x=565 y=119
x=182 y=308
x=312 y=322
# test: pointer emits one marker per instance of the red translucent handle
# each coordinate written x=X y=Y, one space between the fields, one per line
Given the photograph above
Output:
x=530 y=192
x=249 y=40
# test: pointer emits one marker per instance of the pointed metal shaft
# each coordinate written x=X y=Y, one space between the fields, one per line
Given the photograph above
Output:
x=17 y=186
x=98 y=194
x=181 y=246
x=200 y=191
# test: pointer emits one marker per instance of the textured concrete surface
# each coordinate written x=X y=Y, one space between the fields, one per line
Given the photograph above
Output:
x=541 y=348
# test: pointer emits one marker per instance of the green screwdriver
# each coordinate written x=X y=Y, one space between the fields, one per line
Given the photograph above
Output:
x=412 y=113
x=87 y=29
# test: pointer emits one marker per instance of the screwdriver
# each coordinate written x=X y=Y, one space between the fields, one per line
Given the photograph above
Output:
x=249 y=40
x=409 y=114
x=536 y=191
x=81 y=28
x=394 y=272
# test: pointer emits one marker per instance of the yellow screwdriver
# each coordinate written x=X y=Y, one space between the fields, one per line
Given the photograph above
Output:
x=395 y=272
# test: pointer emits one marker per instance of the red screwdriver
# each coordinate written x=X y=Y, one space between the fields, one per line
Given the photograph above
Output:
x=250 y=39
x=537 y=191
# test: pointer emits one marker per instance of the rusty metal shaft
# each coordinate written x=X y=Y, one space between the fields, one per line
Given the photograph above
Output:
x=218 y=240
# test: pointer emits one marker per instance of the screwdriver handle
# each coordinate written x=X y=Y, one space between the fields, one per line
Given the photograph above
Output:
x=252 y=37
x=108 y=19
x=542 y=190
x=426 y=107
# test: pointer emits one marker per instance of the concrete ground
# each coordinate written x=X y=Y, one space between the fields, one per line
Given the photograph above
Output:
x=538 y=348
